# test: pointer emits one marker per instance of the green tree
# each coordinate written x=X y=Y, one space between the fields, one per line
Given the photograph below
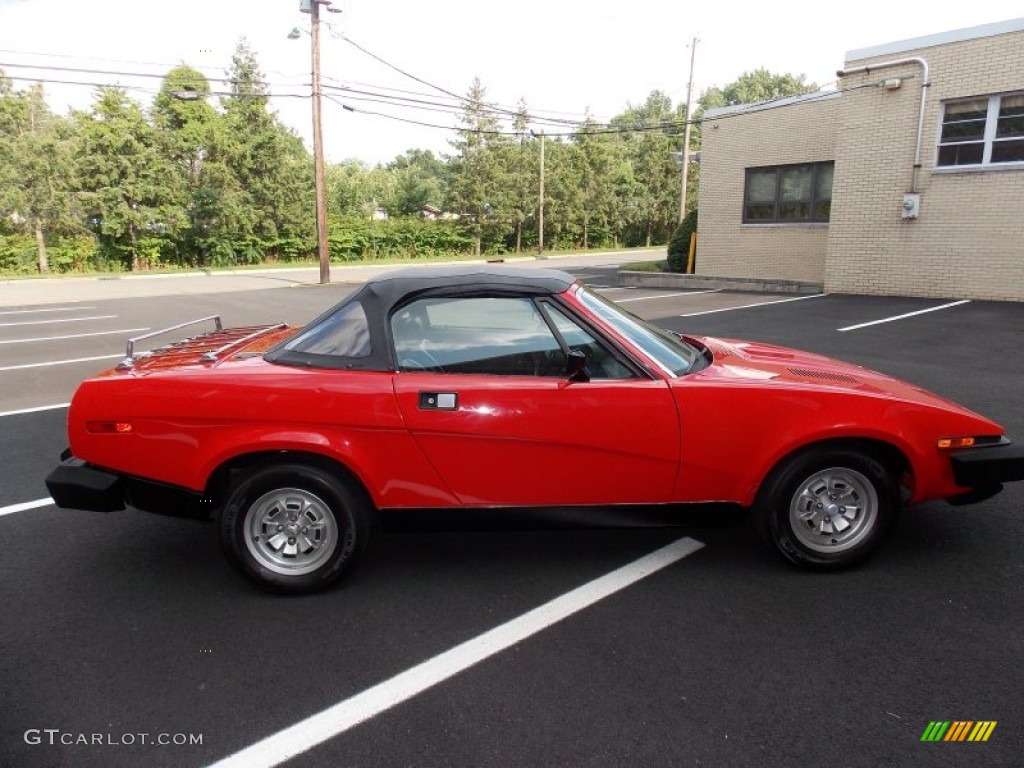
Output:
x=206 y=206
x=348 y=189
x=519 y=163
x=749 y=88
x=653 y=201
x=418 y=180
x=123 y=179
x=37 y=187
x=476 y=174
x=599 y=159
x=272 y=167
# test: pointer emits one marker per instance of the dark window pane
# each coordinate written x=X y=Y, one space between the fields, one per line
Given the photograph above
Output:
x=795 y=184
x=760 y=212
x=961 y=154
x=345 y=334
x=601 y=363
x=1008 y=151
x=963 y=131
x=498 y=336
x=823 y=210
x=1010 y=106
x=795 y=211
x=823 y=181
x=1010 y=126
x=967 y=110
x=761 y=185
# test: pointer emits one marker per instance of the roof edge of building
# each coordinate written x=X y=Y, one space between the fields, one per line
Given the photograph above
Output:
x=940 y=38
x=771 y=104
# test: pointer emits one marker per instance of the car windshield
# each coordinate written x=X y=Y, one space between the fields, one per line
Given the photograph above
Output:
x=671 y=353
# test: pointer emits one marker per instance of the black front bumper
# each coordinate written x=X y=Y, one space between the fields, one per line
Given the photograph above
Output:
x=76 y=485
x=988 y=465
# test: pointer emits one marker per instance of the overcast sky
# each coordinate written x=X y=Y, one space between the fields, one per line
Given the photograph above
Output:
x=561 y=56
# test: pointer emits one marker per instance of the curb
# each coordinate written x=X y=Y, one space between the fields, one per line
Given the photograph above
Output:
x=627 y=278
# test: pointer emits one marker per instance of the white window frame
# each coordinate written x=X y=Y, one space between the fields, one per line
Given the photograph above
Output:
x=991 y=124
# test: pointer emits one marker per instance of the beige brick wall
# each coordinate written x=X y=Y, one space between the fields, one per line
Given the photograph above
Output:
x=969 y=238
x=730 y=144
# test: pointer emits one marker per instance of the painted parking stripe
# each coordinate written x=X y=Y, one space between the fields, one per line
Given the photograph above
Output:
x=306 y=734
x=758 y=304
x=57 y=362
x=72 y=336
x=57 y=320
x=47 y=309
x=905 y=315
x=670 y=295
x=36 y=409
x=25 y=505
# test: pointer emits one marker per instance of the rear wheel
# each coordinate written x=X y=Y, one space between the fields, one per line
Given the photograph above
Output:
x=827 y=509
x=294 y=528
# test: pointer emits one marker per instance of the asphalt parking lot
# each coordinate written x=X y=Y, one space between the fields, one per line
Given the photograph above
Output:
x=133 y=628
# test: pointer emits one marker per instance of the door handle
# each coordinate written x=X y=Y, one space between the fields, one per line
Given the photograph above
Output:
x=439 y=401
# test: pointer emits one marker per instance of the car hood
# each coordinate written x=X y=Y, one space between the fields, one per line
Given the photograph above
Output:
x=741 y=362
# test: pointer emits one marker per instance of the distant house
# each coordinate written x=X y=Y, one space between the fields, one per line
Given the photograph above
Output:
x=907 y=180
x=430 y=212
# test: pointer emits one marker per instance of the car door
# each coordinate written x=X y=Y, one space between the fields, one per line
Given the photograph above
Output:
x=483 y=388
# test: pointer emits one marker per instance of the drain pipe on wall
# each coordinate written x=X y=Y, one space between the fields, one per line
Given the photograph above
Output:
x=920 y=116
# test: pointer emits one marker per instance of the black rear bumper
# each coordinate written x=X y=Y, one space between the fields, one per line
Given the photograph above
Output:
x=76 y=485
x=988 y=465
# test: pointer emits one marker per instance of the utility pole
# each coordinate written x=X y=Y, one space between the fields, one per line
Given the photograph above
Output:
x=540 y=204
x=686 y=137
x=312 y=7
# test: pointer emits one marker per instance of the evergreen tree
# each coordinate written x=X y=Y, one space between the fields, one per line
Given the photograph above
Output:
x=123 y=179
x=476 y=177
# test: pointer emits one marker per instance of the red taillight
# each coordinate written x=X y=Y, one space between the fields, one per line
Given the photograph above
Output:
x=109 y=427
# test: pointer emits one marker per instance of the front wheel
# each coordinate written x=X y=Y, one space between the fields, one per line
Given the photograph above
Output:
x=827 y=510
x=294 y=528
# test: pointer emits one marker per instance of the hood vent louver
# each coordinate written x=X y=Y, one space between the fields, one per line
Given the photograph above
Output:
x=810 y=373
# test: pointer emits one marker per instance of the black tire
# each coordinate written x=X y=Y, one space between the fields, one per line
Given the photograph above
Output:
x=294 y=528
x=828 y=509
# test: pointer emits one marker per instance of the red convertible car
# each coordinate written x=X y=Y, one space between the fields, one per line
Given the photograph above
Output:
x=495 y=387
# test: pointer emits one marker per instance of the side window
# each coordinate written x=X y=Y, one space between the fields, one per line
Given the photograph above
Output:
x=601 y=362
x=498 y=336
x=344 y=334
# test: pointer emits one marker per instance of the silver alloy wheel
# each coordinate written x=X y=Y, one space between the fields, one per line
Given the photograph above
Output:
x=833 y=510
x=290 y=531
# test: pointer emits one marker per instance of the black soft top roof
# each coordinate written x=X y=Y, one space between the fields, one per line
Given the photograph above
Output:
x=392 y=288
x=382 y=294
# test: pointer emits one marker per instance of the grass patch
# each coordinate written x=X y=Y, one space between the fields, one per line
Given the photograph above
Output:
x=646 y=266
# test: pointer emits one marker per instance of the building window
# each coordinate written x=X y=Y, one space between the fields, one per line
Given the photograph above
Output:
x=988 y=130
x=788 y=194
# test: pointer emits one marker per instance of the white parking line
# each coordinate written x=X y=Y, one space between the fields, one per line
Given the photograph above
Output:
x=25 y=505
x=907 y=314
x=670 y=295
x=48 y=309
x=71 y=336
x=758 y=304
x=57 y=362
x=58 y=320
x=318 y=728
x=37 y=409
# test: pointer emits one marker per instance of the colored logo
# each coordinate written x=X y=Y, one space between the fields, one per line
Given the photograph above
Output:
x=958 y=730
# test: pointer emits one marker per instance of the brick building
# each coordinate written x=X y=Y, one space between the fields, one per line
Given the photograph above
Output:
x=907 y=180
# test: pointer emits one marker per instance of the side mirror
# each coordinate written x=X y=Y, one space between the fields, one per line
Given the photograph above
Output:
x=576 y=366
